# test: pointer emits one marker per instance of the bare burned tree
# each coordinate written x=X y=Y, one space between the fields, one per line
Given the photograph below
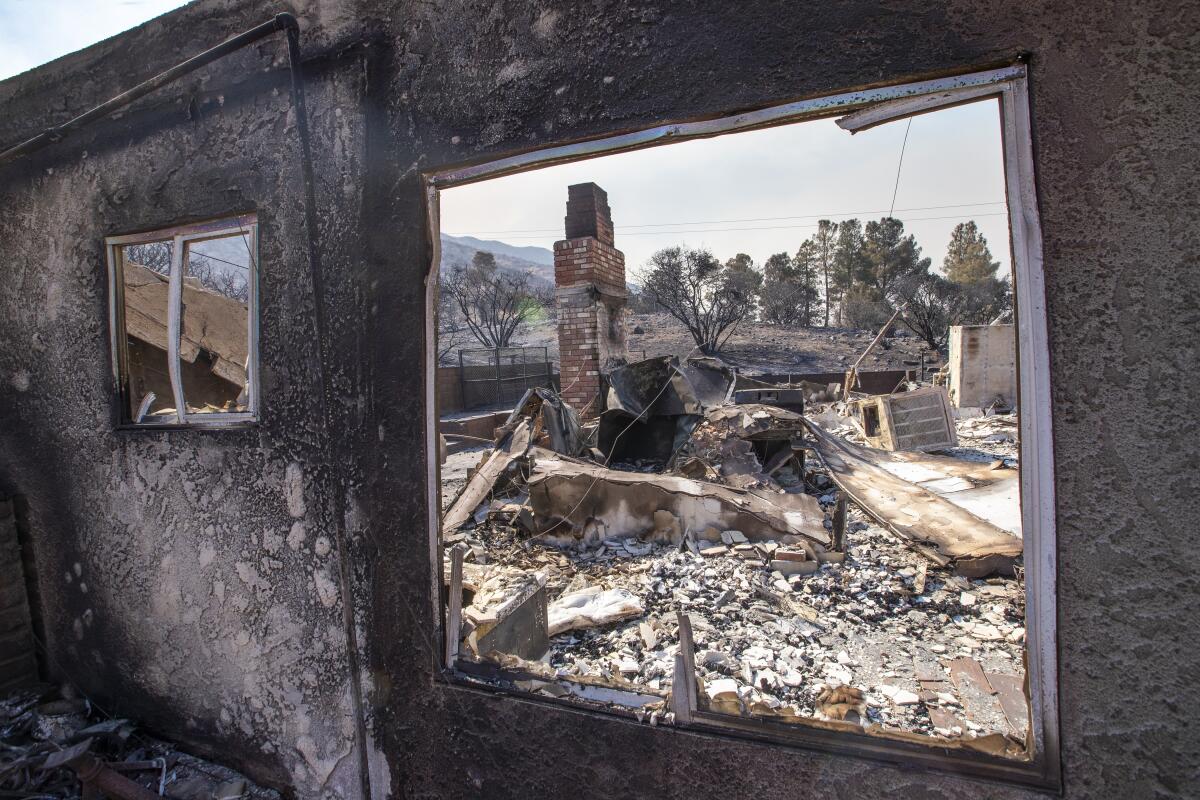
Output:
x=230 y=280
x=152 y=255
x=493 y=304
x=933 y=304
x=451 y=330
x=710 y=300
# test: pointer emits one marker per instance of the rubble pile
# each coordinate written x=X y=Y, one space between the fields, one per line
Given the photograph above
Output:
x=880 y=621
x=805 y=608
x=54 y=743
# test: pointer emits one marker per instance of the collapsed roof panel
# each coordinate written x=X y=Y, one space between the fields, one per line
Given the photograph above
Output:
x=586 y=501
x=946 y=533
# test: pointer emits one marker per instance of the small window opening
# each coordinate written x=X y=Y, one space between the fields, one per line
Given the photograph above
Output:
x=185 y=323
x=723 y=498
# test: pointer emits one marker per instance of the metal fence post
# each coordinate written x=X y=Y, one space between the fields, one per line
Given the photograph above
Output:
x=498 y=394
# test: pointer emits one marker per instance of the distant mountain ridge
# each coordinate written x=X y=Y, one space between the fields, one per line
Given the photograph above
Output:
x=537 y=262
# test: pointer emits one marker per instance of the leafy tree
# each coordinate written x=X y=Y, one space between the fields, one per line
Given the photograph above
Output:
x=493 y=304
x=806 y=266
x=848 y=263
x=778 y=303
x=710 y=300
x=825 y=243
x=484 y=261
x=740 y=263
x=790 y=289
x=968 y=259
x=743 y=277
x=889 y=256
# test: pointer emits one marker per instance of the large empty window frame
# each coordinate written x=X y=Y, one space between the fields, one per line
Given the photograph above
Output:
x=1038 y=763
x=184 y=322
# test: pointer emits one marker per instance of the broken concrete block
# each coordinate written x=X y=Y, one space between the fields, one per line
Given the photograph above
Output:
x=648 y=634
x=901 y=697
x=715 y=550
x=794 y=567
x=722 y=689
x=733 y=537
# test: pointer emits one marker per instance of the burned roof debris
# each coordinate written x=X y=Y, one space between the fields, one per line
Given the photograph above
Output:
x=593 y=540
x=54 y=743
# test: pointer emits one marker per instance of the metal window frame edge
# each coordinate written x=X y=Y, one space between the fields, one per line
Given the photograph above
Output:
x=1009 y=85
x=241 y=225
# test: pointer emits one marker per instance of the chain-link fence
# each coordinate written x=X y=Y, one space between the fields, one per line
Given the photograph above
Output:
x=500 y=376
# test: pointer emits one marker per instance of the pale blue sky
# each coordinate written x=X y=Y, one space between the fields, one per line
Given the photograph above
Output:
x=33 y=32
x=731 y=190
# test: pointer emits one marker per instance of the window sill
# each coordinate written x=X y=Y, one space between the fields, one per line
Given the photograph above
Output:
x=898 y=752
x=232 y=425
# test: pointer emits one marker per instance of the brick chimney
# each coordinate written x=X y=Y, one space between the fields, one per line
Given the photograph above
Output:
x=590 y=294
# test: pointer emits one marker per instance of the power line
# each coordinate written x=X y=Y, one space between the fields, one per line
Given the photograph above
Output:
x=827 y=214
x=767 y=228
x=900 y=164
x=215 y=258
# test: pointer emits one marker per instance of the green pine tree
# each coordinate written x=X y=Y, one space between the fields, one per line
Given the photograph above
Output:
x=968 y=260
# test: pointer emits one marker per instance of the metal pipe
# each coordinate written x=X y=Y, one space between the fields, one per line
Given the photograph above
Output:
x=57 y=133
x=852 y=373
x=94 y=774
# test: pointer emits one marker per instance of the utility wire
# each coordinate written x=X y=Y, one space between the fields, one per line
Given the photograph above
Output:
x=766 y=228
x=842 y=214
x=222 y=260
x=896 y=188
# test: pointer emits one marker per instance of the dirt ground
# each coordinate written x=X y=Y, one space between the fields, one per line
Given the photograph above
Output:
x=755 y=347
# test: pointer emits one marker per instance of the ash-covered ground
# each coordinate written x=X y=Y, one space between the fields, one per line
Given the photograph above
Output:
x=931 y=653
x=753 y=347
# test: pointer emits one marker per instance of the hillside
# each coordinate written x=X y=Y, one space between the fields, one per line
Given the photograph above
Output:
x=538 y=262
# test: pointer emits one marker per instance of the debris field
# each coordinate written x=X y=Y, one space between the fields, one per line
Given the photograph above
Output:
x=55 y=743
x=806 y=602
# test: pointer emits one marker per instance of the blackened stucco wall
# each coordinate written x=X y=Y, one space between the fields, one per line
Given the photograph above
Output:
x=401 y=88
x=190 y=578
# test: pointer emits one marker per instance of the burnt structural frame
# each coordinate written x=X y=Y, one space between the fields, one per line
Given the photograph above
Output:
x=856 y=110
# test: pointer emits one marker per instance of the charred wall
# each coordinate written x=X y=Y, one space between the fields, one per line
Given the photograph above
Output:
x=189 y=578
x=151 y=523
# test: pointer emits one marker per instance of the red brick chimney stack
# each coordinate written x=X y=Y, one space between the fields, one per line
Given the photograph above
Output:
x=589 y=279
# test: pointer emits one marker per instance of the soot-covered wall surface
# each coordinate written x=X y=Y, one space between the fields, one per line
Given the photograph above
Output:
x=190 y=578
x=193 y=578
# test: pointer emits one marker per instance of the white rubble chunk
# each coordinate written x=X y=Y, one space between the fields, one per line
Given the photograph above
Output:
x=591 y=607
